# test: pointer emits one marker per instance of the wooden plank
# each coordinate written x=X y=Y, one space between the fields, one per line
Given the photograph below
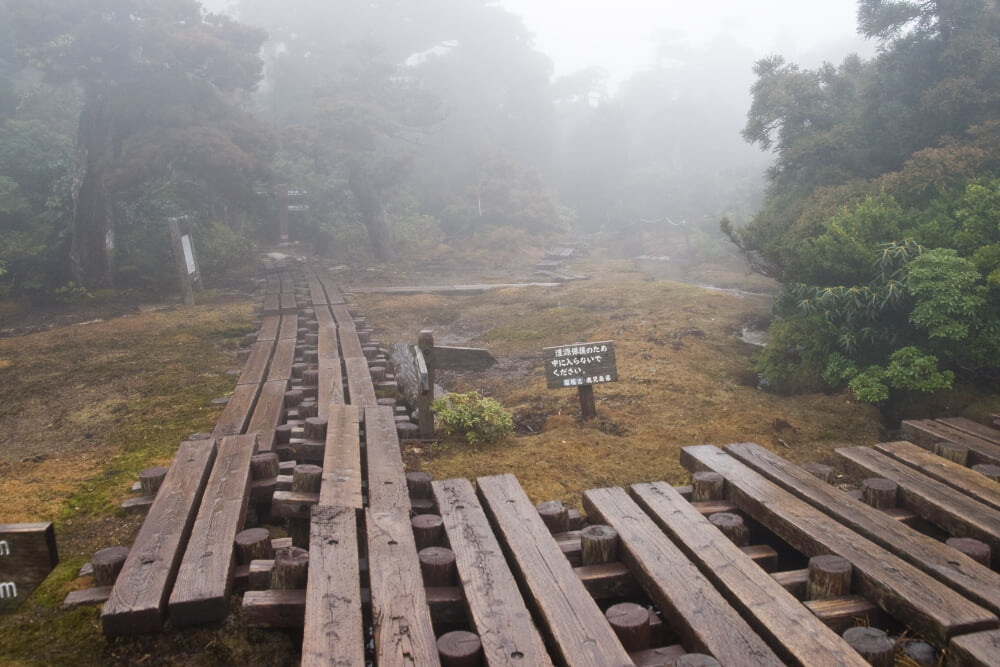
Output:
x=575 y=624
x=268 y=413
x=255 y=369
x=980 y=649
x=331 y=386
x=791 y=629
x=205 y=578
x=317 y=296
x=327 y=346
x=689 y=603
x=386 y=476
x=271 y=305
x=288 y=305
x=333 y=294
x=926 y=433
x=28 y=553
x=359 y=382
x=981 y=431
x=334 y=632
x=289 y=327
x=969 y=482
x=269 y=328
x=274 y=609
x=897 y=587
x=958 y=571
x=281 y=362
x=496 y=609
x=341 y=485
x=956 y=514
x=236 y=415
x=350 y=344
x=401 y=621
x=138 y=602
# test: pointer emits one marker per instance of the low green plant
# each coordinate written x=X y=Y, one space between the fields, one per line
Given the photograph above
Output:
x=474 y=417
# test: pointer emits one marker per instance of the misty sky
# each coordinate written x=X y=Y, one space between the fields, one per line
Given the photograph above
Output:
x=621 y=35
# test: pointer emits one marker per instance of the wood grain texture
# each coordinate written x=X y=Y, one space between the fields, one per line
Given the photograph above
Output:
x=138 y=601
x=359 y=382
x=334 y=632
x=903 y=591
x=268 y=413
x=795 y=633
x=987 y=433
x=980 y=649
x=281 y=361
x=274 y=609
x=401 y=620
x=498 y=613
x=927 y=432
x=956 y=514
x=269 y=327
x=205 y=578
x=255 y=369
x=387 y=488
x=331 y=386
x=289 y=327
x=956 y=570
x=578 y=631
x=341 y=485
x=236 y=415
x=958 y=477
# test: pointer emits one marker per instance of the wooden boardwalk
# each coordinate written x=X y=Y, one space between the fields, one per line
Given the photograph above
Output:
x=403 y=570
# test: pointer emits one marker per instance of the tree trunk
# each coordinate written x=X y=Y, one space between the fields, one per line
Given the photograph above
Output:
x=372 y=213
x=91 y=257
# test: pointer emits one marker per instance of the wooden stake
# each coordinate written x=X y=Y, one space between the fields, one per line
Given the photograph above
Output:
x=829 y=577
x=707 y=485
x=732 y=526
x=460 y=648
x=599 y=545
x=107 y=563
x=873 y=645
x=588 y=409
x=880 y=493
x=630 y=621
x=291 y=565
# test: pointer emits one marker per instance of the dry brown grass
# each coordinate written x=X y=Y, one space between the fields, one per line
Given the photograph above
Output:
x=685 y=379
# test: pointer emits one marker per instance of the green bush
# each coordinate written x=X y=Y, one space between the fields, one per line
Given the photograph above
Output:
x=474 y=417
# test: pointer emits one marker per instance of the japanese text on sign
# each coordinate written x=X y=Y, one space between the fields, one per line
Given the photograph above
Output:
x=580 y=364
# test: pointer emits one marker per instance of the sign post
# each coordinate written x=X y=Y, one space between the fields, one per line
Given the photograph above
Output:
x=27 y=555
x=187 y=266
x=431 y=358
x=581 y=365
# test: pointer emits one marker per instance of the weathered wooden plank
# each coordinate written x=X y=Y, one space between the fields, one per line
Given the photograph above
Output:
x=359 y=382
x=987 y=433
x=957 y=476
x=333 y=294
x=980 y=649
x=386 y=476
x=690 y=604
x=293 y=504
x=236 y=415
x=334 y=632
x=268 y=413
x=269 y=328
x=281 y=362
x=341 y=485
x=958 y=571
x=331 y=386
x=903 y=591
x=138 y=602
x=327 y=346
x=926 y=432
x=274 y=609
x=401 y=621
x=317 y=296
x=205 y=578
x=289 y=327
x=272 y=304
x=579 y=632
x=288 y=306
x=255 y=369
x=350 y=344
x=956 y=514
x=497 y=611
x=791 y=630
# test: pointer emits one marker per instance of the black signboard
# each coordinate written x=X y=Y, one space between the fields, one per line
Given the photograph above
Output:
x=580 y=364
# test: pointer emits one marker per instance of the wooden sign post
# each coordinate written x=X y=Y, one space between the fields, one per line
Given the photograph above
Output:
x=187 y=266
x=581 y=365
x=431 y=358
x=27 y=555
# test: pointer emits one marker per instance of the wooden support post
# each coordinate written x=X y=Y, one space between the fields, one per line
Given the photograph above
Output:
x=185 y=267
x=428 y=530
x=630 y=621
x=880 y=493
x=952 y=451
x=425 y=382
x=706 y=485
x=588 y=409
x=873 y=645
x=598 y=545
x=829 y=577
x=555 y=516
x=460 y=648
x=107 y=563
x=437 y=564
x=150 y=480
x=732 y=526
x=291 y=566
